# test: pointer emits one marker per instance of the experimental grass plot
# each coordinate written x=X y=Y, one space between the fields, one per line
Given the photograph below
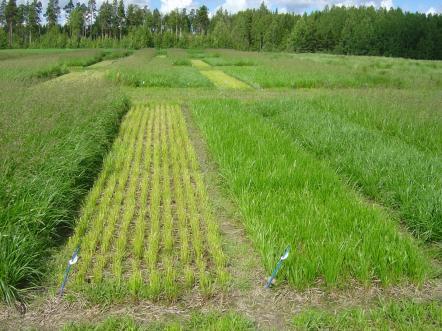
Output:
x=282 y=70
x=52 y=143
x=146 y=229
x=218 y=77
x=147 y=68
x=370 y=158
x=38 y=65
x=286 y=196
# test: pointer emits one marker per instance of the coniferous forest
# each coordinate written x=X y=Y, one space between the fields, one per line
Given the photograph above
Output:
x=339 y=30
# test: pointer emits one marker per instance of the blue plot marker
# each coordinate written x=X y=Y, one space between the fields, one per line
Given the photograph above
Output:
x=71 y=262
x=278 y=266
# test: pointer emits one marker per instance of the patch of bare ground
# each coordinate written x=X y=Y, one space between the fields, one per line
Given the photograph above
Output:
x=269 y=309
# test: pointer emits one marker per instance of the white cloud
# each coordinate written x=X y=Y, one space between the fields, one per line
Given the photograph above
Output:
x=431 y=11
x=234 y=6
x=169 y=5
x=387 y=4
x=300 y=6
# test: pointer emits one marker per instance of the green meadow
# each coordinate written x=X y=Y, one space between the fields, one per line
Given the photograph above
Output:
x=180 y=176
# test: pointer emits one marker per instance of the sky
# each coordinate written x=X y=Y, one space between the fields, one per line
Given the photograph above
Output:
x=297 y=6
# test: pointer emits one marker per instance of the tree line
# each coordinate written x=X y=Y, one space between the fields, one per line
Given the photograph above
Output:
x=340 y=30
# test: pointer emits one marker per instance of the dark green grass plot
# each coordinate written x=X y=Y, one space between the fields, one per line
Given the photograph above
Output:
x=286 y=196
x=51 y=147
x=394 y=173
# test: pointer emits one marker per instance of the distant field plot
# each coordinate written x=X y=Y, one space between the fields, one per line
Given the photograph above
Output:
x=414 y=117
x=219 y=78
x=147 y=229
x=325 y=71
x=36 y=65
x=238 y=62
x=146 y=69
x=286 y=196
x=394 y=173
x=224 y=81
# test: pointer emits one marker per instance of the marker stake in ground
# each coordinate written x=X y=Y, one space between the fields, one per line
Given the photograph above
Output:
x=71 y=262
x=278 y=266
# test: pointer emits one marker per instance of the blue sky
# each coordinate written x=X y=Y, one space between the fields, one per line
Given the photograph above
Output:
x=298 y=6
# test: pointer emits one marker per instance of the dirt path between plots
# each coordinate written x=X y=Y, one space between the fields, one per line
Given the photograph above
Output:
x=269 y=309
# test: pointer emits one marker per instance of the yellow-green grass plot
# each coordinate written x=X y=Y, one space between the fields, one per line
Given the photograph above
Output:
x=147 y=229
x=200 y=64
x=223 y=81
x=219 y=78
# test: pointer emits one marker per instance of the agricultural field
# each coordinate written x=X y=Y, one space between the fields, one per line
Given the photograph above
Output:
x=151 y=194
x=159 y=189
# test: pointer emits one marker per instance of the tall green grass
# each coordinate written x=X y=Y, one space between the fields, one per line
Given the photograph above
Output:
x=197 y=322
x=98 y=56
x=29 y=66
x=52 y=141
x=387 y=169
x=282 y=70
x=286 y=197
x=414 y=117
x=387 y=315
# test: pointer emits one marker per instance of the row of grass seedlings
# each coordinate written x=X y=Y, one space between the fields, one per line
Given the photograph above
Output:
x=170 y=286
x=94 y=196
x=213 y=234
x=112 y=208
x=180 y=206
x=129 y=206
x=197 y=240
x=151 y=256
x=136 y=279
x=127 y=152
x=90 y=240
x=123 y=173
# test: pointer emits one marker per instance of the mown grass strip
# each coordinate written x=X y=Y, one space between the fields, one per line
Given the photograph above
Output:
x=219 y=78
x=199 y=64
x=224 y=81
x=287 y=197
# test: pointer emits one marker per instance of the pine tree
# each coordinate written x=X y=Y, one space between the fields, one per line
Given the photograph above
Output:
x=11 y=19
x=121 y=17
x=52 y=13
x=2 y=13
x=202 y=19
x=91 y=13
x=114 y=18
x=76 y=22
